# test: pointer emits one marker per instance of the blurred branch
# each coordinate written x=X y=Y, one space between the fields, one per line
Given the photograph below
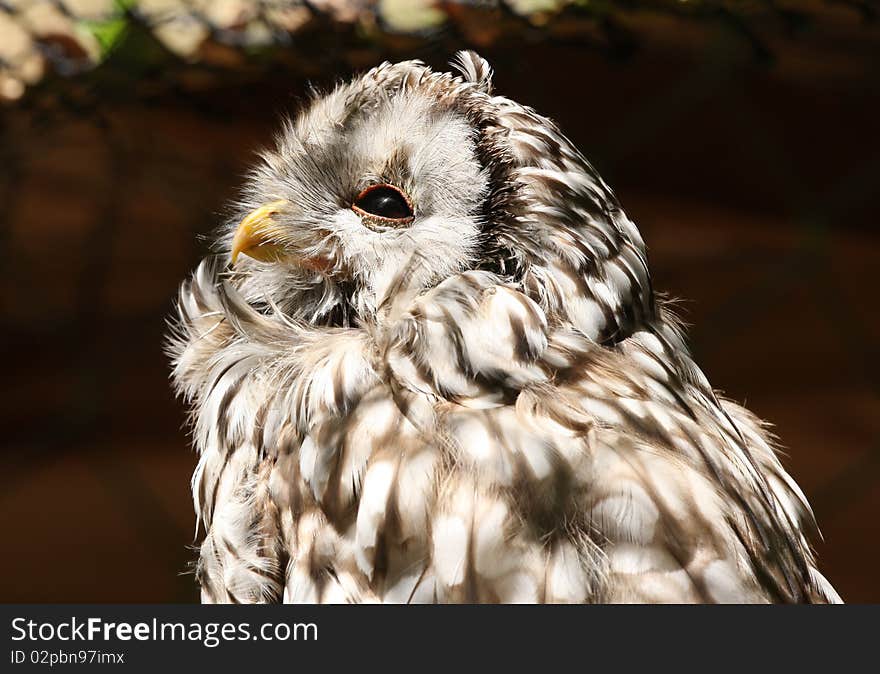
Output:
x=42 y=39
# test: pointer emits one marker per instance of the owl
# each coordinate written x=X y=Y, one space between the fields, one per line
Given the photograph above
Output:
x=426 y=363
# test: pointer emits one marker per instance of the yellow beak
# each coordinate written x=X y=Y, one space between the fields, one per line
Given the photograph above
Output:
x=258 y=236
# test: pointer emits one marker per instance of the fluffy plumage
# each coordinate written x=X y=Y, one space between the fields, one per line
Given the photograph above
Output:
x=489 y=404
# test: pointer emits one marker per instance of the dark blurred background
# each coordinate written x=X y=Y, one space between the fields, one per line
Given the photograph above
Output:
x=741 y=137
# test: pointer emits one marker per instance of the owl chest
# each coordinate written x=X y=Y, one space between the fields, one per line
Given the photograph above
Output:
x=456 y=505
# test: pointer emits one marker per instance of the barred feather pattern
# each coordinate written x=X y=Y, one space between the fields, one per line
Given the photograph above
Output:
x=526 y=427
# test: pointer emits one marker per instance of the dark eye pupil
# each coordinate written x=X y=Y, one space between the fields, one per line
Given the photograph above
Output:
x=385 y=202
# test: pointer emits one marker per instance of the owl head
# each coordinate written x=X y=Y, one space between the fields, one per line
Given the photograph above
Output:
x=407 y=173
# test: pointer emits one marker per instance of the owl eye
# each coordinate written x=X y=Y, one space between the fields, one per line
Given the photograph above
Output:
x=386 y=202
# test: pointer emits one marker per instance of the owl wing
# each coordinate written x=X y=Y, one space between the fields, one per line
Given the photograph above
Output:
x=588 y=473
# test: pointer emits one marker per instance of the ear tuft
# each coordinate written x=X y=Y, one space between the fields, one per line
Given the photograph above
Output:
x=474 y=68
